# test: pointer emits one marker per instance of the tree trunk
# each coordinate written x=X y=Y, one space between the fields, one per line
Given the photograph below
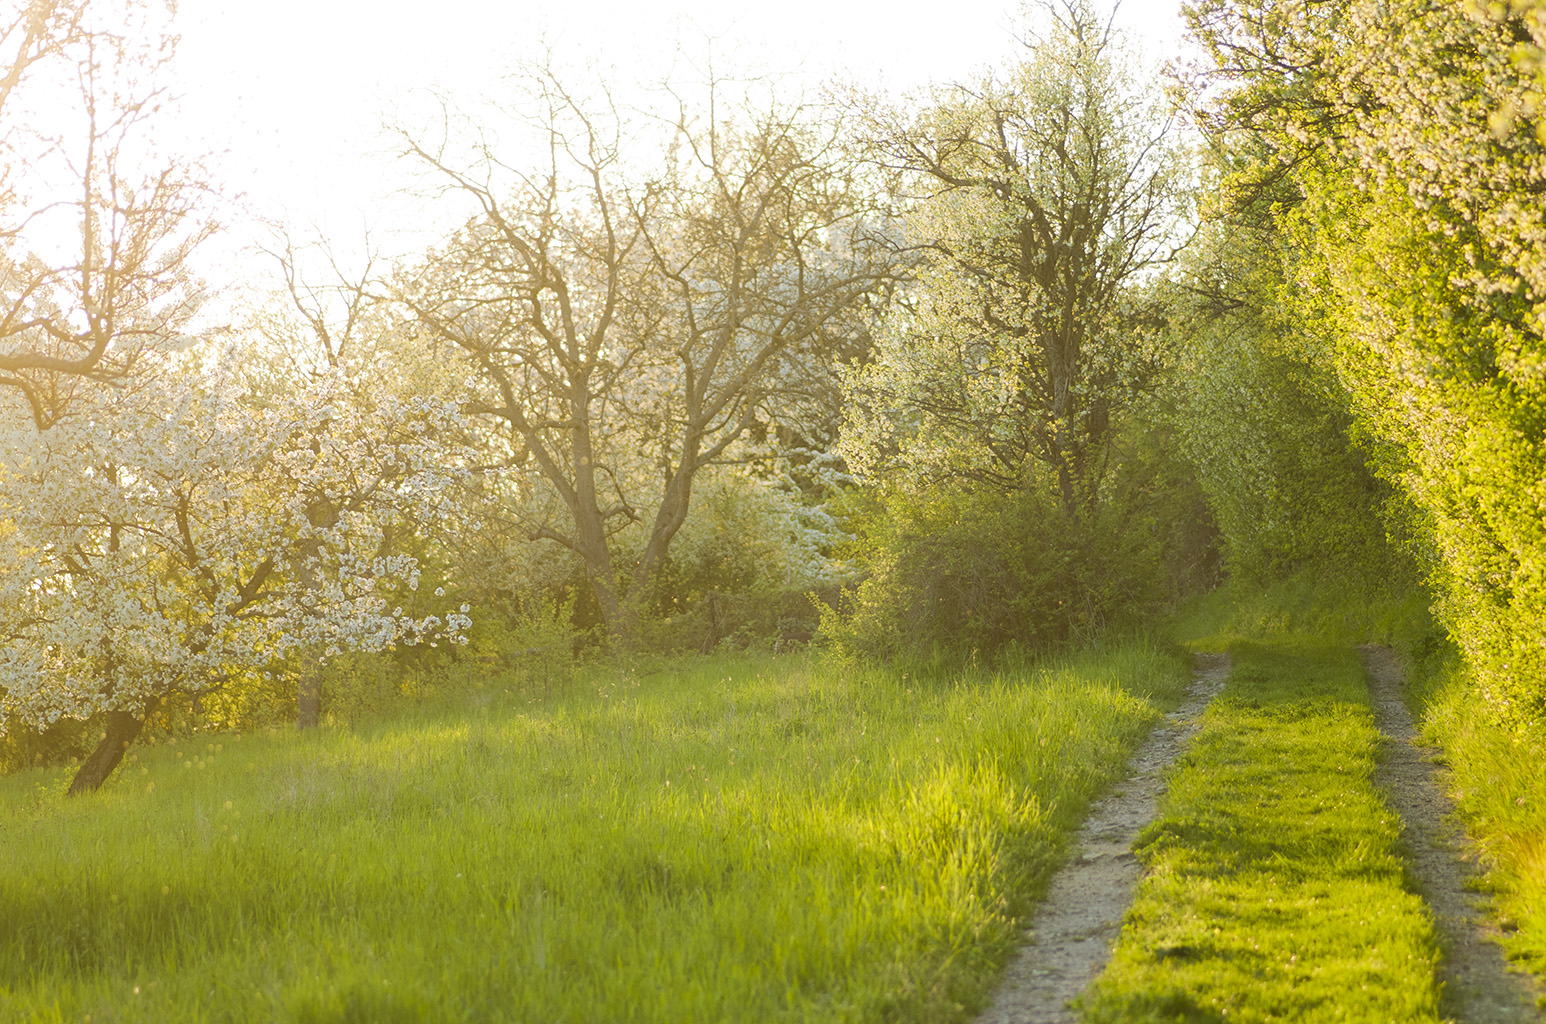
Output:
x=668 y=519
x=615 y=607
x=122 y=728
x=308 y=695
x=308 y=692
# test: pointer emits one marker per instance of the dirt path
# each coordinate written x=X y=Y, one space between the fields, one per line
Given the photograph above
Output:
x=1072 y=933
x=1478 y=987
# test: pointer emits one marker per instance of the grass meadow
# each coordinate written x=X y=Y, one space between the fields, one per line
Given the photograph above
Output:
x=728 y=839
x=1276 y=888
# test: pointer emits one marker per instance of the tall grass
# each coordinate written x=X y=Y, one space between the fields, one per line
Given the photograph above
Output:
x=1308 y=607
x=1498 y=779
x=730 y=839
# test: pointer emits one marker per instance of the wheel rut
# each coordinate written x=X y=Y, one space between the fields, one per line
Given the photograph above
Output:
x=1478 y=986
x=1070 y=936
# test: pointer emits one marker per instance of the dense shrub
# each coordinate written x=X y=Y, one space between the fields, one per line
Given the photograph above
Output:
x=1407 y=200
x=965 y=570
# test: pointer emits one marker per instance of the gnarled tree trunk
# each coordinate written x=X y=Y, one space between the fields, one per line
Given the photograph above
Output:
x=122 y=728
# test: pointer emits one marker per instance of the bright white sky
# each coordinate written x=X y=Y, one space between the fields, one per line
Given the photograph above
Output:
x=291 y=94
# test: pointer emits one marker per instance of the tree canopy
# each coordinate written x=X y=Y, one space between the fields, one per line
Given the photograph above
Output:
x=1041 y=201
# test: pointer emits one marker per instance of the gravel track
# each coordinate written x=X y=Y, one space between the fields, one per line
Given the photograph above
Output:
x=1071 y=934
x=1478 y=986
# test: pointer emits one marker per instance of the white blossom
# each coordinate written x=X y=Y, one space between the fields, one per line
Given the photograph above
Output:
x=170 y=536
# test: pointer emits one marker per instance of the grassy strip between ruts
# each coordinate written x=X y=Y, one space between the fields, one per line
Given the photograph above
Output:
x=1499 y=769
x=1275 y=889
x=728 y=840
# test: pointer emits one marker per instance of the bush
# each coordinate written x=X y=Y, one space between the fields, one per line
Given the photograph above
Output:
x=743 y=568
x=973 y=570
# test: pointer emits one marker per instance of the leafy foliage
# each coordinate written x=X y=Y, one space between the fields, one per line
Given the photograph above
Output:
x=969 y=570
x=1422 y=258
x=1256 y=405
x=1043 y=201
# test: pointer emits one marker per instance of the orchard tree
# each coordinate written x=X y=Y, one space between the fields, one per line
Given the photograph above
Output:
x=1042 y=199
x=159 y=538
x=96 y=221
x=329 y=331
x=632 y=311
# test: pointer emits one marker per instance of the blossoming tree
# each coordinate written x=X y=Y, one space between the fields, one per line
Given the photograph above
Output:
x=162 y=537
